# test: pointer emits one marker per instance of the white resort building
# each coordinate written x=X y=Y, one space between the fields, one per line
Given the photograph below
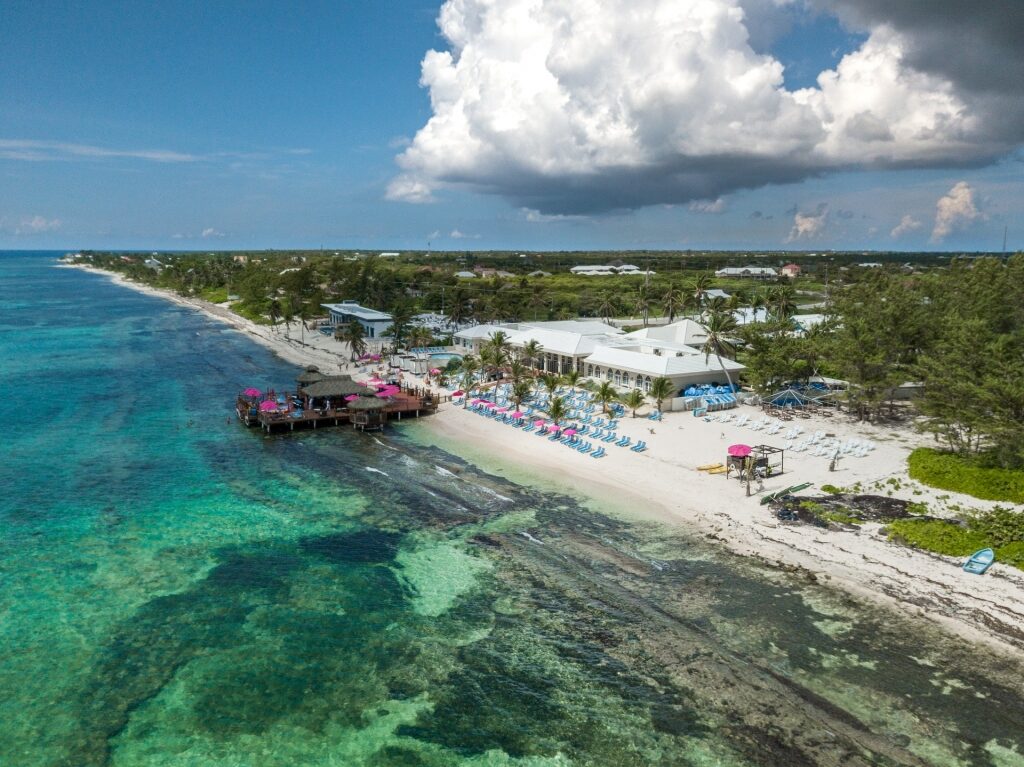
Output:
x=757 y=272
x=604 y=353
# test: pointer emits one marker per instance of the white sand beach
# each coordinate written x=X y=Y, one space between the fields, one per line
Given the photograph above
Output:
x=664 y=484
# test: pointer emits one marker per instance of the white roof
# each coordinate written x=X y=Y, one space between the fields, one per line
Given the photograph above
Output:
x=739 y=271
x=807 y=321
x=748 y=314
x=715 y=293
x=479 y=331
x=658 y=365
x=556 y=341
x=350 y=307
x=685 y=332
x=589 y=268
x=583 y=327
x=465 y=274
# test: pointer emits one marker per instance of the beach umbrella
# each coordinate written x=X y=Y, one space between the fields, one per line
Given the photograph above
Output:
x=458 y=393
x=252 y=392
x=382 y=395
x=502 y=409
x=517 y=414
x=538 y=423
x=351 y=397
x=739 y=451
x=268 y=405
x=434 y=371
x=570 y=432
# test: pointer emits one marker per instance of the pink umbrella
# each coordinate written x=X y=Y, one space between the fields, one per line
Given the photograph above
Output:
x=458 y=393
x=252 y=392
x=556 y=427
x=382 y=395
x=538 y=423
x=390 y=391
x=434 y=371
x=268 y=405
x=740 y=451
x=492 y=404
x=570 y=432
x=502 y=409
x=517 y=414
x=351 y=397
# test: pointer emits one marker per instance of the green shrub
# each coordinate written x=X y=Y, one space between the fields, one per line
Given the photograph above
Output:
x=949 y=471
x=917 y=508
x=936 y=535
x=1000 y=526
x=1011 y=554
x=831 y=489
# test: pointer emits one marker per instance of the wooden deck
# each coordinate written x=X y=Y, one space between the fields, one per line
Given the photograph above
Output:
x=410 y=403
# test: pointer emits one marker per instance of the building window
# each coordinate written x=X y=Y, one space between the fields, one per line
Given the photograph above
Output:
x=590 y=370
x=625 y=379
x=618 y=377
x=647 y=384
x=608 y=374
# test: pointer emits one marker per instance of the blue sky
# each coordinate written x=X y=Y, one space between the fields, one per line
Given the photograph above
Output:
x=257 y=124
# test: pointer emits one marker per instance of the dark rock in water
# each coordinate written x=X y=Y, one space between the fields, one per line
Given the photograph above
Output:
x=362 y=546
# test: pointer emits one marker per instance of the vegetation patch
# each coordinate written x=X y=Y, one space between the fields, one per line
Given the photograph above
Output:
x=950 y=471
x=1000 y=529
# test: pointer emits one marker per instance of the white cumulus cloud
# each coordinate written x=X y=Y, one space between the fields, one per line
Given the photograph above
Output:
x=807 y=226
x=37 y=225
x=211 y=232
x=955 y=210
x=572 y=107
x=906 y=225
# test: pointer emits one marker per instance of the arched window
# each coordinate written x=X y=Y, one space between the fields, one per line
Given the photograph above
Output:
x=647 y=384
x=590 y=370
x=608 y=374
x=618 y=377
x=625 y=378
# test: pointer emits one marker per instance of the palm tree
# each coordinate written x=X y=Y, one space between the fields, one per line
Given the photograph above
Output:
x=633 y=399
x=499 y=342
x=758 y=301
x=458 y=308
x=551 y=382
x=643 y=304
x=531 y=352
x=608 y=306
x=572 y=378
x=557 y=410
x=662 y=389
x=274 y=311
x=400 y=319
x=700 y=285
x=782 y=301
x=468 y=369
x=490 y=361
x=354 y=335
x=720 y=326
x=672 y=302
x=606 y=393
x=517 y=371
x=419 y=337
x=520 y=391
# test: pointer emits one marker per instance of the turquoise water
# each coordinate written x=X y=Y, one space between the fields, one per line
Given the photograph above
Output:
x=445 y=357
x=178 y=590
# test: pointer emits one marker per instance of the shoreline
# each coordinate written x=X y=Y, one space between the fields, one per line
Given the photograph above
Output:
x=663 y=485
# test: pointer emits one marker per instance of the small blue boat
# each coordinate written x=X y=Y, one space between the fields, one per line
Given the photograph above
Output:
x=980 y=561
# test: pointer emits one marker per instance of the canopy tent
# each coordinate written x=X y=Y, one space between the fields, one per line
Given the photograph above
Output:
x=792 y=397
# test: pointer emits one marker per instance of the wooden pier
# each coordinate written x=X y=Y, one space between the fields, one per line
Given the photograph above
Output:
x=309 y=414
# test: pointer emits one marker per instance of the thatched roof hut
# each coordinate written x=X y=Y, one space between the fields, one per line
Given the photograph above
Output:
x=310 y=375
x=335 y=386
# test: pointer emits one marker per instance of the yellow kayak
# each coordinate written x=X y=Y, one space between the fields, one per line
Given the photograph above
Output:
x=709 y=466
x=719 y=470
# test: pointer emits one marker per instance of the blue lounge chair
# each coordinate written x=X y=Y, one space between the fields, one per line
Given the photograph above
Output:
x=609 y=438
x=599 y=453
x=639 y=447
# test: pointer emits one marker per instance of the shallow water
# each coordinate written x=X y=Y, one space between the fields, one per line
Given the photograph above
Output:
x=178 y=590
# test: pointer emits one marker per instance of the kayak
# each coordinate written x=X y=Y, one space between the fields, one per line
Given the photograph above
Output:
x=788 y=491
x=718 y=470
x=980 y=561
x=709 y=466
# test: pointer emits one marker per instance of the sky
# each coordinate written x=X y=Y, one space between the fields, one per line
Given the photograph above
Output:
x=513 y=124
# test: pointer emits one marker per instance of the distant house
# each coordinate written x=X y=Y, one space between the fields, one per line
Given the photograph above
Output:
x=465 y=275
x=484 y=271
x=870 y=265
x=388 y=254
x=754 y=272
x=715 y=293
x=153 y=264
x=539 y=273
x=791 y=270
x=375 y=324
x=240 y=259
x=615 y=267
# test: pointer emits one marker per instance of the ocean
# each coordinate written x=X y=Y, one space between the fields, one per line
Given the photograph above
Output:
x=178 y=590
